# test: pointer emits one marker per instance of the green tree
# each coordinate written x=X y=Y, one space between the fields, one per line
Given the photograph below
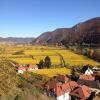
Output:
x=47 y=62
x=41 y=64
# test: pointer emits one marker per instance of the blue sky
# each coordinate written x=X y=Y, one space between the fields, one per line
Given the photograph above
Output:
x=30 y=18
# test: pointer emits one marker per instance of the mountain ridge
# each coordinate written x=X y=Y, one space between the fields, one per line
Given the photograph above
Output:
x=85 y=32
x=19 y=40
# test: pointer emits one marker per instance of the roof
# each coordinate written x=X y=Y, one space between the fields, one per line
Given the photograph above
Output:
x=86 y=77
x=69 y=86
x=51 y=85
x=64 y=88
x=17 y=65
x=33 y=66
x=62 y=78
x=59 y=88
x=73 y=84
x=82 y=92
x=90 y=83
x=22 y=68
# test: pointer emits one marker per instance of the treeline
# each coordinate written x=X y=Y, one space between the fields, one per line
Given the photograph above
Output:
x=93 y=54
x=90 y=52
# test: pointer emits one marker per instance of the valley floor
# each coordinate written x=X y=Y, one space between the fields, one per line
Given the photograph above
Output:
x=28 y=54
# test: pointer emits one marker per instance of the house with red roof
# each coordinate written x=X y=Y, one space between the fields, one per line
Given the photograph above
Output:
x=80 y=93
x=63 y=91
x=62 y=78
x=69 y=90
x=87 y=77
x=87 y=70
x=22 y=68
x=33 y=67
x=60 y=90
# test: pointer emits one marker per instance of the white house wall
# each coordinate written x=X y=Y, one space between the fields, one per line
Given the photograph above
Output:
x=66 y=96
x=88 y=72
x=20 y=71
x=33 y=69
x=36 y=68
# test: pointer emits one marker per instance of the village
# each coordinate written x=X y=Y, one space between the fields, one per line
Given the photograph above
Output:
x=73 y=87
x=84 y=86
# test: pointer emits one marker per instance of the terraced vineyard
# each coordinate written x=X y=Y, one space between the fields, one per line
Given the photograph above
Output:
x=27 y=54
x=52 y=72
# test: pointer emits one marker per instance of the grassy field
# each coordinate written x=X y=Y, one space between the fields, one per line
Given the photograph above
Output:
x=33 y=54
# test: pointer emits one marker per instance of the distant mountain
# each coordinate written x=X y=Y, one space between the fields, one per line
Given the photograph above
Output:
x=16 y=40
x=87 y=32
